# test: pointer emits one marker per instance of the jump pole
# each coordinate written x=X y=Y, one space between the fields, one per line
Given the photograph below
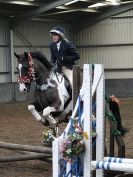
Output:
x=98 y=87
x=123 y=167
x=15 y=158
x=87 y=111
x=29 y=148
x=118 y=160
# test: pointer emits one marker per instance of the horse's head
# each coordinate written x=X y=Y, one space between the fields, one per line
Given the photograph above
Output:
x=25 y=68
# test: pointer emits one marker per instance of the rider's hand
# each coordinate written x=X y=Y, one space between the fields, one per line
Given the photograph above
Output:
x=56 y=69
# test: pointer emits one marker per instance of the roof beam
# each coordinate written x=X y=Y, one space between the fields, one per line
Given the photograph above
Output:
x=45 y=8
x=93 y=20
x=42 y=9
x=69 y=10
x=93 y=1
x=19 y=3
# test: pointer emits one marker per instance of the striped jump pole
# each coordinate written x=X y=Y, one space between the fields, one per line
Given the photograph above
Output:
x=123 y=167
x=118 y=160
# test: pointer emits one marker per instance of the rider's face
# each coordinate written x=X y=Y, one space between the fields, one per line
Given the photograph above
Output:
x=55 y=38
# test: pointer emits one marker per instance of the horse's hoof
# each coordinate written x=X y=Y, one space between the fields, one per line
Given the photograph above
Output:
x=44 y=122
x=67 y=119
x=52 y=126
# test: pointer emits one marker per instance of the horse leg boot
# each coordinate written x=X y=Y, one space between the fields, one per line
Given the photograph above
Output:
x=34 y=112
x=48 y=117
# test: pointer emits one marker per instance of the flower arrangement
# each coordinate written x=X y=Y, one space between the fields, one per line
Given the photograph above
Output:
x=73 y=145
x=48 y=137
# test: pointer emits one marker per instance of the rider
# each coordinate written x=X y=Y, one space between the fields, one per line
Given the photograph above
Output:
x=63 y=52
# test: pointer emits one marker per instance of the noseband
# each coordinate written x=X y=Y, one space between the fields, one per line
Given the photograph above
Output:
x=31 y=72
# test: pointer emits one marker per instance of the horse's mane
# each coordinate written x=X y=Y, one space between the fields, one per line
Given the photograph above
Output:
x=41 y=57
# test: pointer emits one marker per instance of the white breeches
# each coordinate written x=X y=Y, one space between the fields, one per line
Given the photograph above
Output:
x=68 y=73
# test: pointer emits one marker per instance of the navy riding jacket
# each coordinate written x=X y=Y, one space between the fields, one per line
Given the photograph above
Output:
x=66 y=56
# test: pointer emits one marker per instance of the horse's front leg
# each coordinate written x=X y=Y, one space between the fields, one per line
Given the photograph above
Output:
x=36 y=114
x=47 y=114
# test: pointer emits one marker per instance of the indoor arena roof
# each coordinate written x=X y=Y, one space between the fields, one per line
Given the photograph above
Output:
x=71 y=11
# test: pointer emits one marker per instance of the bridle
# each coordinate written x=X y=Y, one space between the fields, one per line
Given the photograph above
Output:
x=31 y=72
x=31 y=76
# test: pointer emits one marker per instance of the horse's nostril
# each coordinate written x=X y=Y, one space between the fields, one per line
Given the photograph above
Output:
x=25 y=90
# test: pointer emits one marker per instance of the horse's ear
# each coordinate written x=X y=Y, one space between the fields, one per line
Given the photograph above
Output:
x=16 y=55
x=26 y=54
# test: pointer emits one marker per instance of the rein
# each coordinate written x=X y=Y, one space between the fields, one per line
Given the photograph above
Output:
x=59 y=81
x=31 y=75
x=31 y=72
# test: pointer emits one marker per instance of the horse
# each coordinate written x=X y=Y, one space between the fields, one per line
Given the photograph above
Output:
x=52 y=93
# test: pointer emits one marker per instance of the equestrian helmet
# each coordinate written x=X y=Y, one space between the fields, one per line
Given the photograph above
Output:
x=59 y=31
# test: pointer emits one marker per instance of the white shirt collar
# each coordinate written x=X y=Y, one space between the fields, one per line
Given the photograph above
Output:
x=58 y=45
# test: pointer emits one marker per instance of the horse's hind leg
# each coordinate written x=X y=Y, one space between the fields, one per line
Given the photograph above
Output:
x=36 y=114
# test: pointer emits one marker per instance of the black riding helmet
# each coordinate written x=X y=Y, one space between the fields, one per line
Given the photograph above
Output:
x=59 y=31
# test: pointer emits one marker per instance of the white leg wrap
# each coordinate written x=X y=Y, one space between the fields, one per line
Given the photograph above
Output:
x=33 y=111
x=48 y=110
x=51 y=120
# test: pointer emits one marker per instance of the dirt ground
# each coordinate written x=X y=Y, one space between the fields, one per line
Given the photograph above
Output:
x=18 y=126
x=126 y=109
